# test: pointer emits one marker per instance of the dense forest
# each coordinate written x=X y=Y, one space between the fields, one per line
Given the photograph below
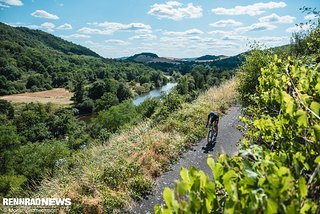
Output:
x=277 y=169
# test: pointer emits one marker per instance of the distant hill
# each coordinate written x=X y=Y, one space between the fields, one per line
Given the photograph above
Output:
x=33 y=60
x=184 y=65
x=210 y=57
x=150 y=58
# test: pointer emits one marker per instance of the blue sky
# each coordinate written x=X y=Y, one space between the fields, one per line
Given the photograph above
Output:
x=182 y=28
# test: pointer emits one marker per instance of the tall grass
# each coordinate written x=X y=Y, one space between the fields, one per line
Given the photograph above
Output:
x=107 y=178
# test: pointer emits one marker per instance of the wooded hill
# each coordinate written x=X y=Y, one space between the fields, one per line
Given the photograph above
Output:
x=32 y=60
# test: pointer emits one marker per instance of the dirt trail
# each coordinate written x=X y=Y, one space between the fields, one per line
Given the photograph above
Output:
x=226 y=142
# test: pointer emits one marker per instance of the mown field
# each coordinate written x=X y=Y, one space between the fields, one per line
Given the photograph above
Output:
x=58 y=96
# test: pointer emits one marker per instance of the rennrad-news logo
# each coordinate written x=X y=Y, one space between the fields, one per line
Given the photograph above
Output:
x=36 y=202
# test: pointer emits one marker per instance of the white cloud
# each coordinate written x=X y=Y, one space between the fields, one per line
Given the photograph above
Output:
x=143 y=37
x=107 y=28
x=175 y=10
x=220 y=33
x=234 y=38
x=251 y=10
x=298 y=28
x=116 y=42
x=12 y=2
x=256 y=27
x=226 y=23
x=44 y=14
x=87 y=30
x=189 y=32
x=65 y=26
x=274 y=18
x=4 y=5
x=76 y=36
x=311 y=16
x=48 y=26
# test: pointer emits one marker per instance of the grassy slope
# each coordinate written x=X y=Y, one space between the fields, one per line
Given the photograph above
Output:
x=108 y=177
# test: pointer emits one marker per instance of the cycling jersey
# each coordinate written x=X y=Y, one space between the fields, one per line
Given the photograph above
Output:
x=214 y=117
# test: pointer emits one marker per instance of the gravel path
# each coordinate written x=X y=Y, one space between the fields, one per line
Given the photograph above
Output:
x=226 y=142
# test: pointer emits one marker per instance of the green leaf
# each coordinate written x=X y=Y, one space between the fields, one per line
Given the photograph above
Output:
x=272 y=206
x=211 y=163
x=317 y=87
x=317 y=160
x=208 y=206
x=303 y=188
x=316 y=129
x=229 y=176
x=184 y=174
x=302 y=119
x=168 y=196
x=289 y=101
x=306 y=206
x=315 y=107
x=182 y=187
x=217 y=171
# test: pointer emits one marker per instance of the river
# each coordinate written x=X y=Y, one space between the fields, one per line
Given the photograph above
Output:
x=139 y=99
x=154 y=93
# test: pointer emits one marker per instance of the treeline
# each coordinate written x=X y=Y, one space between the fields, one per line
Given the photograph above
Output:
x=223 y=65
x=277 y=169
x=32 y=60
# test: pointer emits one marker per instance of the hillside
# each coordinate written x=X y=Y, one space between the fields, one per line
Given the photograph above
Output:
x=210 y=57
x=32 y=60
x=185 y=65
x=26 y=37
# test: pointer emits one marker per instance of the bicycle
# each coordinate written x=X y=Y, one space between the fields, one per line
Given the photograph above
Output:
x=212 y=134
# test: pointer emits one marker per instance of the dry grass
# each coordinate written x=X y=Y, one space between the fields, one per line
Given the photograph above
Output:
x=149 y=149
x=58 y=96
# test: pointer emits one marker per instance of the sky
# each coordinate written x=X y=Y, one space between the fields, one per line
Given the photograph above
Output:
x=180 y=29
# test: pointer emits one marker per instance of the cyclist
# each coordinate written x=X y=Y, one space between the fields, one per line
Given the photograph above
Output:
x=213 y=118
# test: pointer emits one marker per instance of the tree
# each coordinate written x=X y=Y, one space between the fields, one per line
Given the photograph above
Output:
x=79 y=92
x=106 y=101
x=35 y=81
x=123 y=92
x=36 y=160
x=249 y=73
x=148 y=107
x=6 y=108
x=185 y=85
x=116 y=117
x=97 y=89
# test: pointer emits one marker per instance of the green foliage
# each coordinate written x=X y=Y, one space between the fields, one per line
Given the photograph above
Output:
x=170 y=103
x=36 y=160
x=115 y=117
x=33 y=142
x=123 y=92
x=6 y=108
x=11 y=185
x=106 y=101
x=148 y=107
x=249 y=73
x=277 y=168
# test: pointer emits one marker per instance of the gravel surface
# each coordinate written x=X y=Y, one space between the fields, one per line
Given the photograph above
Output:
x=227 y=139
